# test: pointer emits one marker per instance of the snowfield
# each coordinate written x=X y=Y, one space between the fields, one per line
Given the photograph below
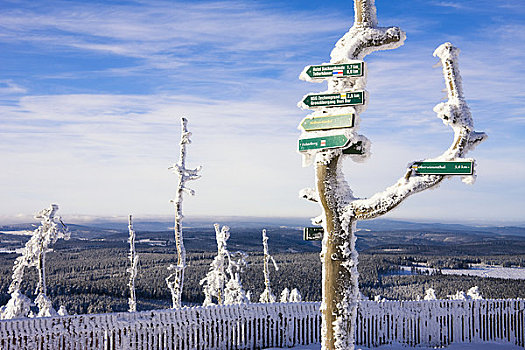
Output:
x=515 y=273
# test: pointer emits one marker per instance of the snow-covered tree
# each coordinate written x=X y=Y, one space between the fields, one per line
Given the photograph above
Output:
x=175 y=280
x=34 y=255
x=340 y=208
x=132 y=269
x=216 y=277
x=295 y=296
x=215 y=286
x=17 y=307
x=234 y=292
x=473 y=293
x=267 y=296
x=430 y=294
x=285 y=295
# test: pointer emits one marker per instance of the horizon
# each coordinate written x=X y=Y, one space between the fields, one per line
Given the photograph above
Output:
x=223 y=220
x=92 y=93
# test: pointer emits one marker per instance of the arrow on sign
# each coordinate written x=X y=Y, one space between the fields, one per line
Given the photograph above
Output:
x=355 y=69
x=443 y=168
x=334 y=141
x=335 y=100
x=328 y=122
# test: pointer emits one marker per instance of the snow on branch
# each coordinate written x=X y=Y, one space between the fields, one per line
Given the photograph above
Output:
x=455 y=113
x=365 y=36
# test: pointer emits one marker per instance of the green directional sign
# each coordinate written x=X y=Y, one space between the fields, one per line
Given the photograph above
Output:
x=443 y=168
x=335 y=100
x=334 y=141
x=313 y=233
x=336 y=70
x=356 y=148
x=328 y=122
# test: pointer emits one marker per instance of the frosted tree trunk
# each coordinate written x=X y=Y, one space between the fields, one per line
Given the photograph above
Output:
x=175 y=280
x=133 y=260
x=341 y=210
x=267 y=296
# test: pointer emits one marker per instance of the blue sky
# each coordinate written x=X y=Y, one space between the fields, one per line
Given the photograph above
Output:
x=91 y=95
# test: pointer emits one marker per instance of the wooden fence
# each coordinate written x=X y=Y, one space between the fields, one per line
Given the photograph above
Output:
x=256 y=326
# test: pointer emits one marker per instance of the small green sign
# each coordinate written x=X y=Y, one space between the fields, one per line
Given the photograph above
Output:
x=336 y=70
x=335 y=100
x=356 y=148
x=313 y=233
x=334 y=141
x=443 y=168
x=328 y=122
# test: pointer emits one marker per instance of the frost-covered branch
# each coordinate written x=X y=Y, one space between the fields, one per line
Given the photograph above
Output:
x=455 y=113
x=132 y=270
x=365 y=36
x=267 y=296
x=176 y=279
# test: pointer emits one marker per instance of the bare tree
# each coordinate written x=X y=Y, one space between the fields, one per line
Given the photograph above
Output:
x=341 y=210
x=176 y=279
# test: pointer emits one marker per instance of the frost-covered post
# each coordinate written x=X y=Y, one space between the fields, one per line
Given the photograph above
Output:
x=132 y=269
x=34 y=254
x=267 y=296
x=340 y=209
x=176 y=279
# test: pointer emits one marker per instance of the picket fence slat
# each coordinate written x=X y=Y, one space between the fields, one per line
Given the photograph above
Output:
x=254 y=326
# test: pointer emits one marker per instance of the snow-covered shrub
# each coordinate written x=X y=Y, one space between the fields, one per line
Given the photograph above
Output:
x=216 y=277
x=430 y=294
x=62 y=311
x=45 y=307
x=17 y=307
x=285 y=295
x=295 y=296
x=473 y=293
x=234 y=292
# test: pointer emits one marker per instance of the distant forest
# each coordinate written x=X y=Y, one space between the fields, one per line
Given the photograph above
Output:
x=93 y=278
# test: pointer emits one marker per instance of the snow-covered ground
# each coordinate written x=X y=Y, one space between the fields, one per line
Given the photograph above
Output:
x=516 y=273
x=486 y=346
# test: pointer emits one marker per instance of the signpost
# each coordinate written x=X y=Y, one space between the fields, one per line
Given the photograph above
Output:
x=335 y=100
x=334 y=141
x=355 y=69
x=443 y=168
x=328 y=122
x=313 y=233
